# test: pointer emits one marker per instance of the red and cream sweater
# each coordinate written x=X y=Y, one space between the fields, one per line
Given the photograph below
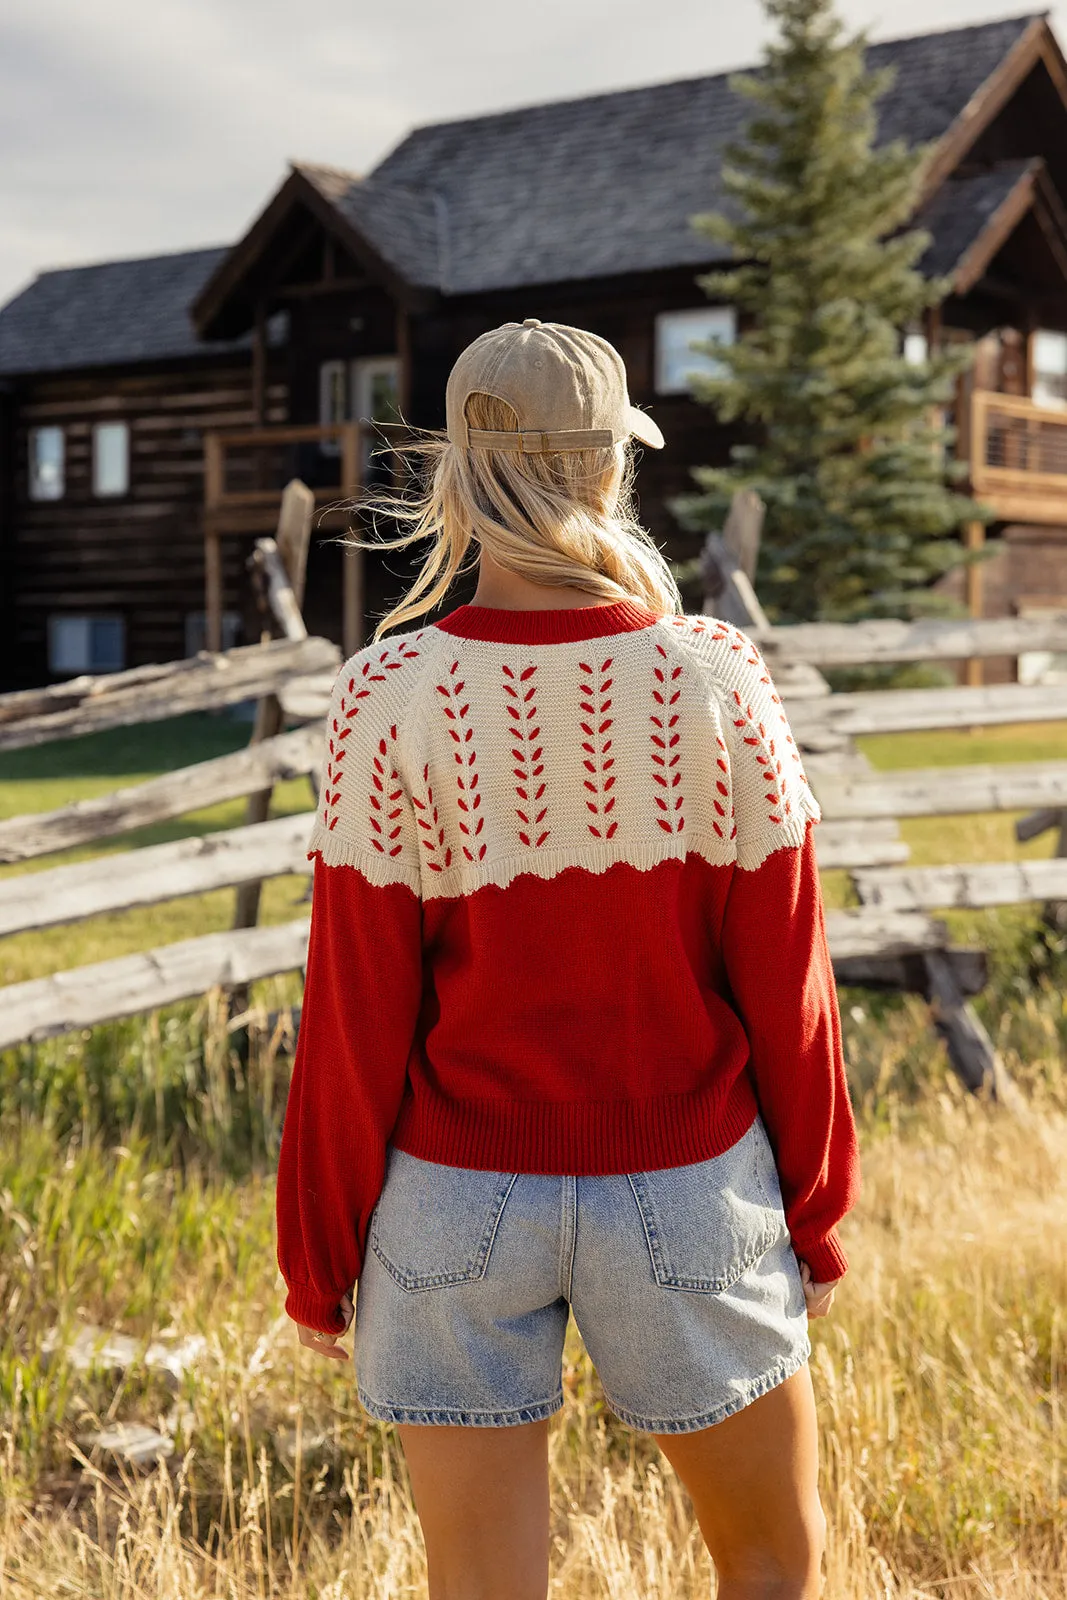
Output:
x=566 y=919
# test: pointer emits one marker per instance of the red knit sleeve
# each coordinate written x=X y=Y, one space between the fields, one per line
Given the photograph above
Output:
x=361 y=1000
x=362 y=988
x=778 y=962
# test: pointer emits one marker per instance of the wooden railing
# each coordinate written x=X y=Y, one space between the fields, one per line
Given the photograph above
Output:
x=1018 y=456
x=246 y=469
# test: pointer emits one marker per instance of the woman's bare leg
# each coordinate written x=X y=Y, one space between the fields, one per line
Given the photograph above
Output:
x=482 y=1499
x=753 y=1481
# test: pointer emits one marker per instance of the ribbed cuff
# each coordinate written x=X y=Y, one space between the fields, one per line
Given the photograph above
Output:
x=825 y=1257
x=314 y=1310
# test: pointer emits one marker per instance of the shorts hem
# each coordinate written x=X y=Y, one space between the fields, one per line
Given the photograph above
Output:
x=759 y=1386
x=509 y=1417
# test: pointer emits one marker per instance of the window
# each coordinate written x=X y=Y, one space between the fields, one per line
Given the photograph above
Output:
x=677 y=331
x=1049 y=353
x=333 y=401
x=376 y=392
x=46 y=474
x=86 y=644
x=111 y=458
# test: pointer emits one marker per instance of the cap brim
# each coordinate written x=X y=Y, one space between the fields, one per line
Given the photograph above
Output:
x=642 y=427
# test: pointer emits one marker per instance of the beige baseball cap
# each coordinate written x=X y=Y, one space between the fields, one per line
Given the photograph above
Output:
x=566 y=386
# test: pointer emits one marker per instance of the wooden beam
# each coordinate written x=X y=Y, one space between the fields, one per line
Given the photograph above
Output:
x=284 y=561
x=876 y=933
x=1039 y=822
x=728 y=564
x=214 y=491
x=911 y=710
x=849 y=644
x=259 y=364
x=151 y=694
x=983 y=106
x=86 y=996
x=173 y=794
x=974 y=886
x=908 y=972
x=859 y=844
x=353 y=598
x=213 y=589
x=970 y=1049
x=942 y=791
x=974 y=540
x=157 y=873
x=281 y=597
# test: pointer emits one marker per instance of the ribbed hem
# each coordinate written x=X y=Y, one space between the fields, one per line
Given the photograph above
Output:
x=593 y=1137
x=825 y=1257
x=314 y=1310
x=496 y=624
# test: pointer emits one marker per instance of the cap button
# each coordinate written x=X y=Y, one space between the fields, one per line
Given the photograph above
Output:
x=532 y=322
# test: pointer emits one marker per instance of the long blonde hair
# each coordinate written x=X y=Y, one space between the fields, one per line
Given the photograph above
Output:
x=562 y=519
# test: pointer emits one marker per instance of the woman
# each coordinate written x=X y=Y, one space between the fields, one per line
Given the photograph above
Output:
x=570 y=1036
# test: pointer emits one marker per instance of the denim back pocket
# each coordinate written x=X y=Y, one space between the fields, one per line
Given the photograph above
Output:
x=707 y=1222
x=434 y=1225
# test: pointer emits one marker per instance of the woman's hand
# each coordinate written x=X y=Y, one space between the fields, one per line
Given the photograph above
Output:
x=326 y=1343
x=820 y=1296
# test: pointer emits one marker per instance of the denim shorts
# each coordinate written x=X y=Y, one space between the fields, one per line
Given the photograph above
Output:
x=682 y=1281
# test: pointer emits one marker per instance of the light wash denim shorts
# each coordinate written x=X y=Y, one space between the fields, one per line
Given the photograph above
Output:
x=682 y=1281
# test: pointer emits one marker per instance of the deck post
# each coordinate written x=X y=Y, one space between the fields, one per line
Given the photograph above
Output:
x=974 y=539
x=353 y=593
x=213 y=490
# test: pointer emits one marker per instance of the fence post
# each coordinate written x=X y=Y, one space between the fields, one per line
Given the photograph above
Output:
x=294 y=535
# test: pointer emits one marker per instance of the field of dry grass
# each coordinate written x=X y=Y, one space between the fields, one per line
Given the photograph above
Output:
x=136 y=1194
x=939 y=1374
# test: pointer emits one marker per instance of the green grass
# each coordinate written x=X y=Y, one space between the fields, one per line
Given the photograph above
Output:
x=53 y=775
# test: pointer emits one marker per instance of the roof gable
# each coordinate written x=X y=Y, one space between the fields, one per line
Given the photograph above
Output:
x=570 y=190
x=111 y=314
x=605 y=184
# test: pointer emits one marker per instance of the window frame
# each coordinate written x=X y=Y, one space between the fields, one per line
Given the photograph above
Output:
x=87 y=664
x=703 y=365
x=112 y=425
x=1052 y=400
x=33 y=481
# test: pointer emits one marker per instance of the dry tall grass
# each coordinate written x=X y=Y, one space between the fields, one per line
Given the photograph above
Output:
x=939 y=1379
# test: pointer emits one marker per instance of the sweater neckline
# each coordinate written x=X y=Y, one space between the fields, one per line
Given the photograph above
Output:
x=541 y=626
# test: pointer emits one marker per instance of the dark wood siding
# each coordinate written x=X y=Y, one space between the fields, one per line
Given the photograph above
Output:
x=139 y=555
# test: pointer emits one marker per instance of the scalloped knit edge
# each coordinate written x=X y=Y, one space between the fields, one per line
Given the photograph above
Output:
x=336 y=851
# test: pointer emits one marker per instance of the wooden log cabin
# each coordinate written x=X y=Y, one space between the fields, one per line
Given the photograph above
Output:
x=151 y=410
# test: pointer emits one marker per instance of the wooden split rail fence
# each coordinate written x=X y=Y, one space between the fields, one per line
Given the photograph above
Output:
x=890 y=940
x=862 y=808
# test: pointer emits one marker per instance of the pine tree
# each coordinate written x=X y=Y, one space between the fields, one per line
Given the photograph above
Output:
x=846 y=451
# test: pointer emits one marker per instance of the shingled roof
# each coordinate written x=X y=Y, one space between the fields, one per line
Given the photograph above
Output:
x=111 y=314
x=568 y=190
x=607 y=184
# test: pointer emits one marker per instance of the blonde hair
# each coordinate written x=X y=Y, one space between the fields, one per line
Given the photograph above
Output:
x=562 y=519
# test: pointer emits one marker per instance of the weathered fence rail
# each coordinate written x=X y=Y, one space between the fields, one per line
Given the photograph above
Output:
x=154 y=874
x=864 y=644
x=150 y=694
x=890 y=941
x=86 y=996
x=862 y=807
x=173 y=794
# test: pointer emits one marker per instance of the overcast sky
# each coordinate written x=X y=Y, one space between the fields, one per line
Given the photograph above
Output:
x=131 y=127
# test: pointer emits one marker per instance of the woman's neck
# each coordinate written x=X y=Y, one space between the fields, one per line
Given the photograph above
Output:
x=506 y=591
